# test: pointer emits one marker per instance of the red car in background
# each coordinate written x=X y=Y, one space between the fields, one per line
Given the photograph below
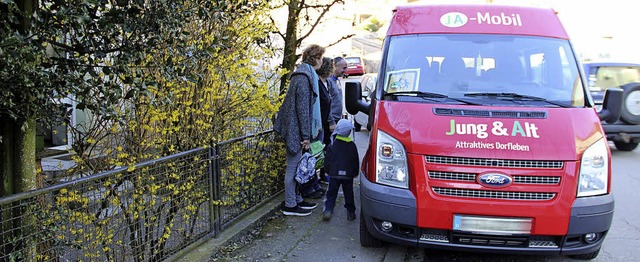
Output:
x=355 y=66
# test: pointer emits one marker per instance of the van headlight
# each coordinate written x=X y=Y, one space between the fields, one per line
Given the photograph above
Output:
x=594 y=170
x=391 y=162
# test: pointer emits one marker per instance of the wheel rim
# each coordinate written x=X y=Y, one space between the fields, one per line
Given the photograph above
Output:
x=633 y=103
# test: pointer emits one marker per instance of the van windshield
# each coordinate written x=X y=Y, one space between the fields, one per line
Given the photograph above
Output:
x=483 y=68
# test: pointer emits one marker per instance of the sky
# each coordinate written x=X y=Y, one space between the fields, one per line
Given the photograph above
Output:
x=601 y=27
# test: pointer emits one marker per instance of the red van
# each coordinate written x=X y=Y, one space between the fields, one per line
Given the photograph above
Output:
x=484 y=136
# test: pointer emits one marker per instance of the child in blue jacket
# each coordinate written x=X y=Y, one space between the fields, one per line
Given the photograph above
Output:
x=341 y=164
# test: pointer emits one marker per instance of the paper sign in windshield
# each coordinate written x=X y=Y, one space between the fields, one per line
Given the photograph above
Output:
x=402 y=80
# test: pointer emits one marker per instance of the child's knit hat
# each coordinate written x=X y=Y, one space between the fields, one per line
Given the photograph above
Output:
x=343 y=128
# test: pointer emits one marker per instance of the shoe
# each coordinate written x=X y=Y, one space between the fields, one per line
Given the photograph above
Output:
x=351 y=216
x=306 y=205
x=326 y=215
x=295 y=211
x=324 y=180
x=314 y=195
x=322 y=190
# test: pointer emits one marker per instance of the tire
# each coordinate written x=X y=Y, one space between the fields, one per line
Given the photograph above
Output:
x=625 y=146
x=587 y=256
x=366 y=239
x=357 y=126
x=631 y=104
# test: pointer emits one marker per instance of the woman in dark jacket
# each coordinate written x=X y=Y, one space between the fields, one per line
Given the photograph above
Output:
x=326 y=107
x=325 y=97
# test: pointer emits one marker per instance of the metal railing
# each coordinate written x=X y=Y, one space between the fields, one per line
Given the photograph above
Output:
x=144 y=213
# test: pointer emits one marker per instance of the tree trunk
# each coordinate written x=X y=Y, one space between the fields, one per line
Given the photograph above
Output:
x=25 y=180
x=290 y=43
x=17 y=165
x=18 y=172
x=25 y=156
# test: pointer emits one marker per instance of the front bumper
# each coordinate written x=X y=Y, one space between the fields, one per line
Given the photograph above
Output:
x=623 y=132
x=398 y=206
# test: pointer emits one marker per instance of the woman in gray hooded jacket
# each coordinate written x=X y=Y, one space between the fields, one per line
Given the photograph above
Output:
x=298 y=122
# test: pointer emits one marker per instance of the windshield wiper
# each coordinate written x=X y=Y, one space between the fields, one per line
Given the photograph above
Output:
x=416 y=93
x=428 y=95
x=516 y=97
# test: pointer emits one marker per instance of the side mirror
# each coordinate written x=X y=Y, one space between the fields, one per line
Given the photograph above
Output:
x=353 y=98
x=611 y=106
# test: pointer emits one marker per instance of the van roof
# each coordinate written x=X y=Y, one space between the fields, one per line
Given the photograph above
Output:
x=476 y=19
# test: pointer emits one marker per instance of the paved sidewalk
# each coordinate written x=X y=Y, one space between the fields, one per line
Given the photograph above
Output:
x=267 y=235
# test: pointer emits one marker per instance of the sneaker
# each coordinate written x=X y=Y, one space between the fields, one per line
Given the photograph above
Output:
x=295 y=211
x=326 y=215
x=306 y=205
x=314 y=195
x=351 y=216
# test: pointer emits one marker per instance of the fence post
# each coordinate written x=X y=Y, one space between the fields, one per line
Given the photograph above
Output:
x=214 y=189
x=212 y=214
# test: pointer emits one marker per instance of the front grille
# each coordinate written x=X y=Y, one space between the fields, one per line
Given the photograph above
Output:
x=452 y=176
x=490 y=113
x=539 y=180
x=543 y=164
x=543 y=244
x=467 y=177
x=455 y=192
x=485 y=240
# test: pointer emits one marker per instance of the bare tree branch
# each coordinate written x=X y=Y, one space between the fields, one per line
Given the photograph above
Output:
x=339 y=40
x=325 y=9
x=276 y=31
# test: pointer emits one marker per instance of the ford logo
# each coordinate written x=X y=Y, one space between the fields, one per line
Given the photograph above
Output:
x=494 y=180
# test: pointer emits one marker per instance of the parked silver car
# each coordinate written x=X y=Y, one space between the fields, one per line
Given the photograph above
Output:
x=368 y=83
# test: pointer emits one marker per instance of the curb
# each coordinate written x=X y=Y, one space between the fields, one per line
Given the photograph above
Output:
x=203 y=252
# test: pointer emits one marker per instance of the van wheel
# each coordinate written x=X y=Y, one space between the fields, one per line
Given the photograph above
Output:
x=587 y=256
x=625 y=146
x=357 y=126
x=366 y=239
x=631 y=104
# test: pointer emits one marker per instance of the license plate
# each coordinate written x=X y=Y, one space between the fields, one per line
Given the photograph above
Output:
x=492 y=225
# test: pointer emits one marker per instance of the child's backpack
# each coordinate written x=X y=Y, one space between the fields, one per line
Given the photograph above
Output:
x=306 y=168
